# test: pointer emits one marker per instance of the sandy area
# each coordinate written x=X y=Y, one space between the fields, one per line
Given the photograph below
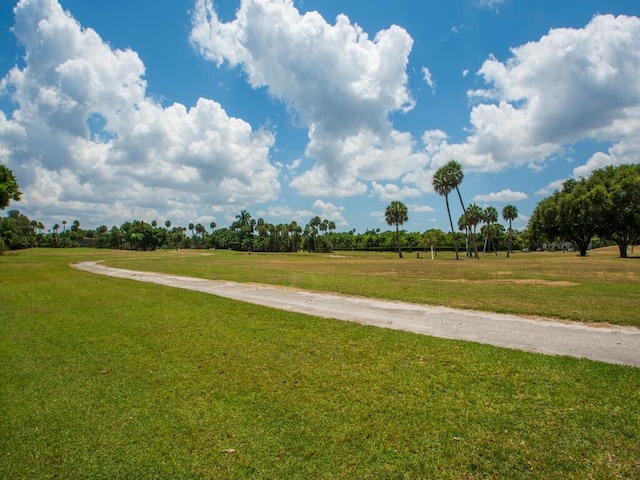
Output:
x=611 y=344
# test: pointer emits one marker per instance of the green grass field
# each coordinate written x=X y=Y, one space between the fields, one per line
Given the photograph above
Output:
x=599 y=288
x=109 y=378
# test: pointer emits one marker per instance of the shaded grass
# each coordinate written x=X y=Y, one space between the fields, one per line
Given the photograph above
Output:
x=110 y=378
x=599 y=288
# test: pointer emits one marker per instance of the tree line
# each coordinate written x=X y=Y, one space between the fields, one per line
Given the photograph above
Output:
x=602 y=209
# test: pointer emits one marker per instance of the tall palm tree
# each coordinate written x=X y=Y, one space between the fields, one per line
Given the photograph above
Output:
x=200 y=230
x=455 y=176
x=509 y=213
x=489 y=216
x=443 y=186
x=324 y=226
x=167 y=223
x=213 y=226
x=64 y=226
x=396 y=214
x=474 y=217
x=243 y=219
x=314 y=225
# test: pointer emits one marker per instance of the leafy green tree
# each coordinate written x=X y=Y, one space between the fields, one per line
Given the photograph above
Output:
x=617 y=191
x=17 y=232
x=574 y=213
x=9 y=188
x=176 y=237
x=432 y=238
x=396 y=214
x=509 y=213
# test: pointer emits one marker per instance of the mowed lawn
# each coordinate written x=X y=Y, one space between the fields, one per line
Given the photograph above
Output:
x=598 y=288
x=110 y=378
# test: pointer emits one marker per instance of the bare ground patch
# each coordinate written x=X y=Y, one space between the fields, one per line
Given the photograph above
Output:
x=519 y=281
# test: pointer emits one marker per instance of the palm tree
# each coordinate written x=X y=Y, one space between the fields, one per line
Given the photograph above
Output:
x=191 y=227
x=314 y=225
x=200 y=230
x=64 y=226
x=456 y=175
x=167 y=223
x=243 y=220
x=443 y=186
x=474 y=217
x=396 y=214
x=489 y=216
x=509 y=213
x=213 y=226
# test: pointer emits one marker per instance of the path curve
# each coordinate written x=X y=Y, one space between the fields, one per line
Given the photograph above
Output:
x=610 y=343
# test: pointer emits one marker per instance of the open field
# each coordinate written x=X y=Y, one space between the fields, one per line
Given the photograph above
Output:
x=110 y=378
x=598 y=288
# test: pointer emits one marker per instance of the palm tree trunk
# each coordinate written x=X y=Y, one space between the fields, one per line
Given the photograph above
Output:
x=398 y=242
x=455 y=242
x=464 y=212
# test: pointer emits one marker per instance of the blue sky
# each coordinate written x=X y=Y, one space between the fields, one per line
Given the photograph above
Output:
x=194 y=110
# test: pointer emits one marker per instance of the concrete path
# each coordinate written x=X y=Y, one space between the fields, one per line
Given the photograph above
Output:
x=611 y=344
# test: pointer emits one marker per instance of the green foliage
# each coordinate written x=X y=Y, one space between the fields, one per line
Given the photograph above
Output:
x=9 y=188
x=16 y=232
x=605 y=204
x=617 y=191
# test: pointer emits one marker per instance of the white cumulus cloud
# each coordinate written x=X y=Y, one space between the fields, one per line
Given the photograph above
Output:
x=341 y=84
x=391 y=192
x=87 y=132
x=330 y=211
x=503 y=196
x=570 y=85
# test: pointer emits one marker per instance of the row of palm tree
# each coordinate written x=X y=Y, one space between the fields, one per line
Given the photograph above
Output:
x=447 y=179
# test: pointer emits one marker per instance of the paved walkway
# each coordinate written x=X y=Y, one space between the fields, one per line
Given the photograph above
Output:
x=611 y=344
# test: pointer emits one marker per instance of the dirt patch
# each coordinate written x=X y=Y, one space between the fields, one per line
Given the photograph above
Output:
x=520 y=281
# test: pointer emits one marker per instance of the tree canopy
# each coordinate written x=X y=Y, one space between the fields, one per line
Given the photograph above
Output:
x=9 y=188
x=605 y=204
